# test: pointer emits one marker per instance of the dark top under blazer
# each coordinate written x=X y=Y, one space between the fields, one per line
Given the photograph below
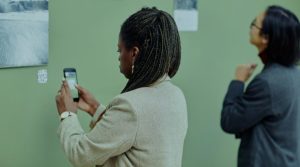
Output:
x=266 y=117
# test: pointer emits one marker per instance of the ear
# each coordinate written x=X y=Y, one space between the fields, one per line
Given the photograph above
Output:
x=265 y=39
x=135 y=52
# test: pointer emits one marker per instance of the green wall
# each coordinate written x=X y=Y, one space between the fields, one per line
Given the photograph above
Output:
x=84 y=34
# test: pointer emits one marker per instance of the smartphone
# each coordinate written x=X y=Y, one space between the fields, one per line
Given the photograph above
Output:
x=71 y=77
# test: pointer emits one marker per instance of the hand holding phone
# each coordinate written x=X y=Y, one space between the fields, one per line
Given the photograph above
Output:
x=71 y=77
x=87 y=102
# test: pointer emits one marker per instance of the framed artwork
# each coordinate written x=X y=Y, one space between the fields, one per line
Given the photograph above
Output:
x=186 y=4
x=186 y=15
x=23 y=33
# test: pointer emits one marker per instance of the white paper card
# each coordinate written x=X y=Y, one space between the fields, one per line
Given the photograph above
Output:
x=186 y=20
x=42 y=76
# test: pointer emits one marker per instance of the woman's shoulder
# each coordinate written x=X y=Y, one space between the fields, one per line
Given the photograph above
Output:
x=276 y=72
x=278 y=78
x=152 y=93
x=163 y=88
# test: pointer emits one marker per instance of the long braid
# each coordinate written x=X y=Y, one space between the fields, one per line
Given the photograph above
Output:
x=155 y=33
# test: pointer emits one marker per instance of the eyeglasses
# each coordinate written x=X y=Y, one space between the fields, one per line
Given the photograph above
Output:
x=254 y=25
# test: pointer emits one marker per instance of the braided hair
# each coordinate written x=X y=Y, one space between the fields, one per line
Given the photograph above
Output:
x=156 y=35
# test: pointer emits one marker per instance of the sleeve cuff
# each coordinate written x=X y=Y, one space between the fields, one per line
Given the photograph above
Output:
x=69 y=125
x=236 y=88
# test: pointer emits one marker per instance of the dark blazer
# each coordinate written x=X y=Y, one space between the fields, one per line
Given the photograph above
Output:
x=266 y=117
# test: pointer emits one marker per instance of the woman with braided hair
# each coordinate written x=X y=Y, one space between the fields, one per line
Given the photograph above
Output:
x=147 y=123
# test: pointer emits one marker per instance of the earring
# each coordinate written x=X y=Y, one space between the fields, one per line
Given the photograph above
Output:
x=132 y=69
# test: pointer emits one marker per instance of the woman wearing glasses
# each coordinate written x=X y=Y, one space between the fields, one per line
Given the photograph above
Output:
x=266 y=116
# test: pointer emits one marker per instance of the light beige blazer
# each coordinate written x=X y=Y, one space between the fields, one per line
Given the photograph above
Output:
x=145 y=127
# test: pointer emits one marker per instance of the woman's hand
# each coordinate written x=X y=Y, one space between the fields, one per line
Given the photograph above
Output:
x=244 y=71
x=87 y=102
x=64 y=100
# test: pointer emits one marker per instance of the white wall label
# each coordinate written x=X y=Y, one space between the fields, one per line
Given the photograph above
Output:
x=42 y=76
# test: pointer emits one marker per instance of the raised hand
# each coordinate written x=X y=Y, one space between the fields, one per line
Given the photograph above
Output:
x=64 y=100
x=244 y=71
x=87 y=102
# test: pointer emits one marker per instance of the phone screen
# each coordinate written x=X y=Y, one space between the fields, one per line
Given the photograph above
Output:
x=71 y=78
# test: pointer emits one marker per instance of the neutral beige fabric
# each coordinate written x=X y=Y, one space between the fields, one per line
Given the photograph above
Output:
x=145 y=127
x=97 y=114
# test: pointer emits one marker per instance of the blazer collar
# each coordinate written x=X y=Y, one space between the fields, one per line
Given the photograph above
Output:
x=160 y=80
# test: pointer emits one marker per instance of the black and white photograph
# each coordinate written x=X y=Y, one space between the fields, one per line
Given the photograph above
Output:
x=186 y=4
x=186 y=15
x=23 y=33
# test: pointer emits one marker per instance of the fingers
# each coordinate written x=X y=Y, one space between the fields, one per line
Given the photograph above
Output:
x=57 y=98
x=64 y=99
x=253 y=65
x=244 y=71
x=63 y=91
x=58 y=95
x=80 y=89
x=58 y=92
x=248 y=67
x=66 y=88
x=252 y=68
